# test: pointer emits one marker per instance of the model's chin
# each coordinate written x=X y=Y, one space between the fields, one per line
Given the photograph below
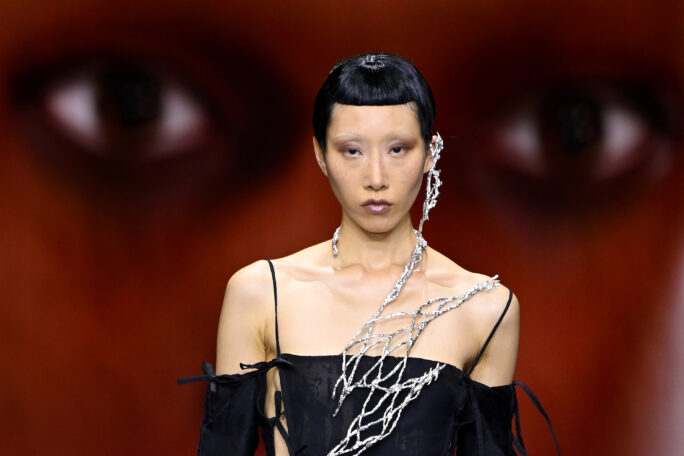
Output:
x=378 y=224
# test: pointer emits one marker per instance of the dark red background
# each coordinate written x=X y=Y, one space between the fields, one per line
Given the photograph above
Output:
x=113 y=265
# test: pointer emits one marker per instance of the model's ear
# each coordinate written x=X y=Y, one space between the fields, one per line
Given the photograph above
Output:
x=429 y=160
x=320 y=159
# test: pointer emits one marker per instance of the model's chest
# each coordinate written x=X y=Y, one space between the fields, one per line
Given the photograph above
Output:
x=318 y=319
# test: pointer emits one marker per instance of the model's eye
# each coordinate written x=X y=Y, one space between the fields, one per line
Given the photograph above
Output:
x=580 y=145
x=126 y=112
x=122 y=120
x=398 y=149
x=352 y=151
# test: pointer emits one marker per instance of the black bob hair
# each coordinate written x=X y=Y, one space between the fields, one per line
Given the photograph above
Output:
x=373 y=79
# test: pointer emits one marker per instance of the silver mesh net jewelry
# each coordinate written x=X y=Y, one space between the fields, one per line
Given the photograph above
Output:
x=389 y=389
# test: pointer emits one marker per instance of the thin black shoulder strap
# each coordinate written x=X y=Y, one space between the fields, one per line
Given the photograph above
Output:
x=275 y=300
x=479 y=355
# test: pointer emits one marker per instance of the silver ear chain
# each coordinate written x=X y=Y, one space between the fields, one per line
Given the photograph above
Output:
x=335 y=238
x=390 y=388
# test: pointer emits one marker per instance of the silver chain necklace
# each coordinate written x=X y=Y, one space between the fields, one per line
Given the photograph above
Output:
x=390 y=388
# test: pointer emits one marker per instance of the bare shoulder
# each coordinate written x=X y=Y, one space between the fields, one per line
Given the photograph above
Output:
x=484 y=310
x=246 y=276
x=249 y=291
x=249 y=286
x=492 y=303
x=485 y=305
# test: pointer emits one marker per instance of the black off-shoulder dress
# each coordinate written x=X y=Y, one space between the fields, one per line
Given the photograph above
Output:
x=453 y=415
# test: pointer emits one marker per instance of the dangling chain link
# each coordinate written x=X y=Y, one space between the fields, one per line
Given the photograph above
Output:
x=389 y=388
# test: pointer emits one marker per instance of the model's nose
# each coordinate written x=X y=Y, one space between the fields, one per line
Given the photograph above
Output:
x=376 y=178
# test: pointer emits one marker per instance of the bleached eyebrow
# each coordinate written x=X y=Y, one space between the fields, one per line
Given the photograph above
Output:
x=400 y=134
x=346 y=136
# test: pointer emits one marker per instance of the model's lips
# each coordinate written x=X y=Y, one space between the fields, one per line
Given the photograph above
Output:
x=376 y=206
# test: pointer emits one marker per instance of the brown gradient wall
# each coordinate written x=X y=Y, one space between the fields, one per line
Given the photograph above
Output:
x=149 y=149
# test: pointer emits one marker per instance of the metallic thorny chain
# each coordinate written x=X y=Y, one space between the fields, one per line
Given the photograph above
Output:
x=390 y=388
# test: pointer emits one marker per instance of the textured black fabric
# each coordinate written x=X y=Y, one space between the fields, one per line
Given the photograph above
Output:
x=424 y=428
x=453 y=415
x=444 y=418
x=229 y=418
x=495 y=407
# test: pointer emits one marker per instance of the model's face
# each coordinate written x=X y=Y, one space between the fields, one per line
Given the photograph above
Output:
x=375 y=159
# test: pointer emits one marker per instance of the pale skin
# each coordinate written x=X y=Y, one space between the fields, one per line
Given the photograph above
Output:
x=370 y=152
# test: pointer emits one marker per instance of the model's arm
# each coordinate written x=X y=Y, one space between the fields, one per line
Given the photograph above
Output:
x=492 y=401
x=240 y=337
x=497 y=365
x=229 y=424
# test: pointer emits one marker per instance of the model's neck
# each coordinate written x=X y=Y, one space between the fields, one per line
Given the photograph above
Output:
x=374 y=252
